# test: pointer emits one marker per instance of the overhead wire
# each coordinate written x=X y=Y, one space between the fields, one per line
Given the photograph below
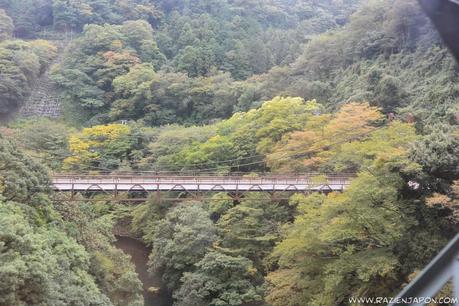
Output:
x=264 y=161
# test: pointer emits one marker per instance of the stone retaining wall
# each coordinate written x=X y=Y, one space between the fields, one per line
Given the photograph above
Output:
x=44 y=100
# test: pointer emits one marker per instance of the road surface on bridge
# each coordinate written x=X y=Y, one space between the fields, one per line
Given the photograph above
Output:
x=216 y=183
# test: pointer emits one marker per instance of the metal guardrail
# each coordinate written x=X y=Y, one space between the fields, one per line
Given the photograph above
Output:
x=426 y=285
x=188 y=174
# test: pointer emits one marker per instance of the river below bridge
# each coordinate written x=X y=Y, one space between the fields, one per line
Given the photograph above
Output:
x=139 y=255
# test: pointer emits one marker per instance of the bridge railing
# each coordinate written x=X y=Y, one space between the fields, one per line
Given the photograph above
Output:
x=200 y=174
x=284 y=179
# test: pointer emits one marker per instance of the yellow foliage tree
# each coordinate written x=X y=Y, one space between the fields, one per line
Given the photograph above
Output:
x=313 y=147
x=98 y=147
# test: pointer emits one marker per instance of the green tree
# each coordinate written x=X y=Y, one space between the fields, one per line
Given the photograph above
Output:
x=149 y=52
x=113 y=270
x=133 y=89
x=29 y=16
x=196 y=61
x=248 y=134
x=219 y=280
x=136 y=32
x=42 y=266
x=219 y=204
x=349 y=244
x=47 y=139
x=170 y=139
x=59 y=255
x=145 y=218
x=74 y=15
x=356 y=243
x=7 y=26
x=21 y=179
x=181 y=240
x=98 y=57
x=438 y=152
x=251 y=228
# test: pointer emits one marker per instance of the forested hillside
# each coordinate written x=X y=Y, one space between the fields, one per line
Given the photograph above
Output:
x=53 y=254
x=388 y=54
x=251 y=88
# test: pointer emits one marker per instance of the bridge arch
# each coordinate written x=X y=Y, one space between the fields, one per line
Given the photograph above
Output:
x=137 y=187
x=291 y=187
x=95 y=187
x=217 y=188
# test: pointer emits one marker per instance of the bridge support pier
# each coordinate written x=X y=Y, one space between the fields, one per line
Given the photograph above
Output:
x=158 y=195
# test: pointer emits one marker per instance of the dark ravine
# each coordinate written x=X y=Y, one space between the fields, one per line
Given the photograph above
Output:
x=139 y=255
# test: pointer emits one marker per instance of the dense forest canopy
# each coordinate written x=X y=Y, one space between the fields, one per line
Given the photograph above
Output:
x=224 y=87
x=50 y=250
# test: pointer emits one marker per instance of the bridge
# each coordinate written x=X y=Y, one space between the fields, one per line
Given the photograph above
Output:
x=231 y=184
